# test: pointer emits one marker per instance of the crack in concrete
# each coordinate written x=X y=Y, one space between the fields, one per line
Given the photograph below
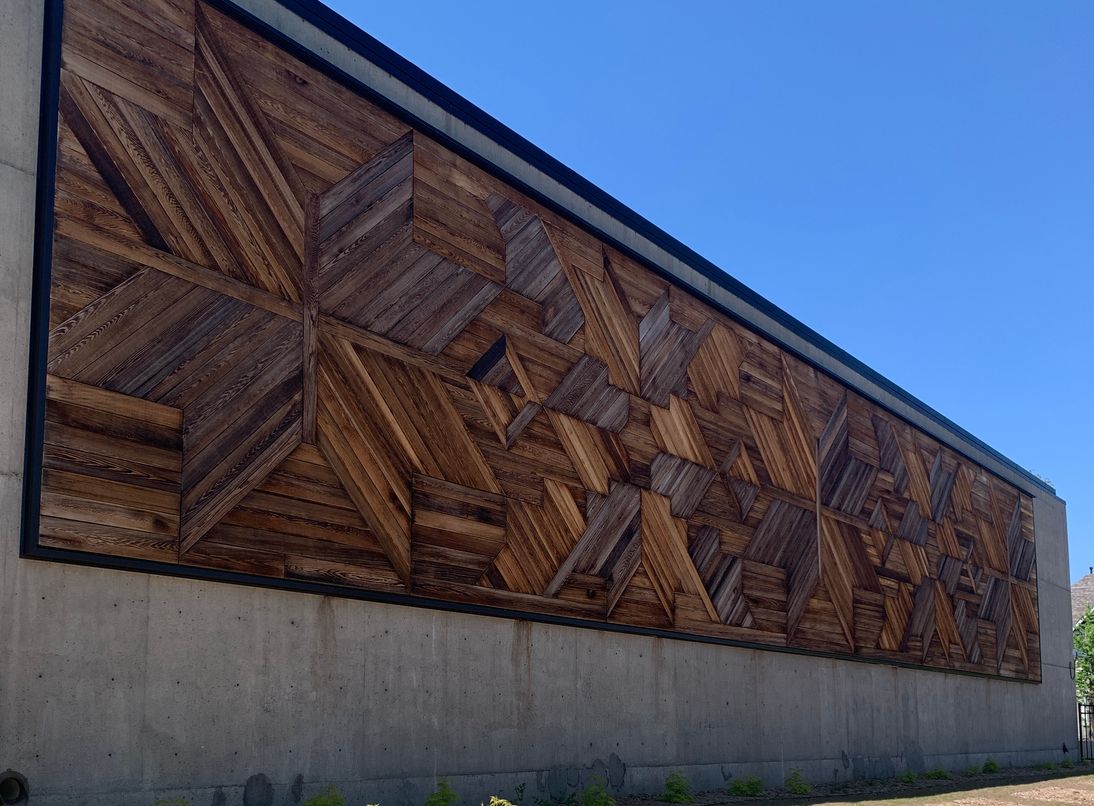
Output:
x=29 y=172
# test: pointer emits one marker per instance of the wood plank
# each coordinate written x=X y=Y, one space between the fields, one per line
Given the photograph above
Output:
x=144 y=54
x=76 y=535
x=449 y=217
x=677 y=432
x=310 y=339
x=146 y=256
x=80 y=394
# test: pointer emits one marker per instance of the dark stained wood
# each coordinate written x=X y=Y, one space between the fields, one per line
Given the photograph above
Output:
x=311 y=316
x=141 y=53
x=451 y=220
x=587 y=394
x=141 y=255
x=112 y=472
x=76 y=105
x=378 y=271
x=291 y=336
x=533 y=270
x=456 y=531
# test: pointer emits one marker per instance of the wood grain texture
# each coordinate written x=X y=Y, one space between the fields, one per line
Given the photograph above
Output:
x=291 y=336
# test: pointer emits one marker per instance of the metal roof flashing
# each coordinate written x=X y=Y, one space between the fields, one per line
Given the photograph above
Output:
x=314 y=32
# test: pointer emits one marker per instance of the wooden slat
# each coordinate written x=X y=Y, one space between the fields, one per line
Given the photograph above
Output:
x=677 y=432
x=310 y=334
x=66 y=391
x=145 y=256
x=112 y=467
x=611 y=332
x=597 y=456
x=456 y=531
x=714 y=370
x=665 y=555
x=78 y=535
x=533 y=270
x=322 y=125
x=143 y=52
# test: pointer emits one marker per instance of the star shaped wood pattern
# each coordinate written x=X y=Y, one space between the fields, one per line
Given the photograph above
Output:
x=293 y=337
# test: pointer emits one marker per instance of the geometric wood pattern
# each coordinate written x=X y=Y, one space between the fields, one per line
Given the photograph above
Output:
x=291 y=336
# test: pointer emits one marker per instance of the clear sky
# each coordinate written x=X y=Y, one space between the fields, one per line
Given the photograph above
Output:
x=915 y=181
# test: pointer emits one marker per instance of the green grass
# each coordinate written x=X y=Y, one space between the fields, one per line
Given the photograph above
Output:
x=748 y=787
x=595 y=794
x=444 y=795
x=677 y=789
x=796 y=784
x=328 y=797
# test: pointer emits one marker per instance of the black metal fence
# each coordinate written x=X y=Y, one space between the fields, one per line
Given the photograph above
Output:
x=1086 y=730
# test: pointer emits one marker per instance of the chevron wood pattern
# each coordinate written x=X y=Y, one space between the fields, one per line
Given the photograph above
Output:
x=295 y=338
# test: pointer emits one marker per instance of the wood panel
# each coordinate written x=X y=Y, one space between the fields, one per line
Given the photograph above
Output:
x=293 y=337
x=112 y=473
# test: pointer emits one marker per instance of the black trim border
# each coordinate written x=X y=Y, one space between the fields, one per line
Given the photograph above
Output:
x=45 y=191
x=369 y=48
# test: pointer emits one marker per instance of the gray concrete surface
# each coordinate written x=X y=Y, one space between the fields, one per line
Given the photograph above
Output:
x=118 y=688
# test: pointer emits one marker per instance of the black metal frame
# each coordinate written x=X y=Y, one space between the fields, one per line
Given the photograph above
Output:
x=1085 y=715
x=364 y=45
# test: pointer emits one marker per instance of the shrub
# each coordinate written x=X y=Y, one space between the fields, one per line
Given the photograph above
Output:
x=908 y=777
x=496 y=801
x=991 y=765
x=749 y=787
x=519 y=799
x=796 y=783
x=444 y=795
x=1066 y=764
x=1046 y=766
x=937 y=774
x=677 y=789
x=328 y=797
x=596 y=794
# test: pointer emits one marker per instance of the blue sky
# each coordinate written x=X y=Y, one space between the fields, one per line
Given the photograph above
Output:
x=915 y=181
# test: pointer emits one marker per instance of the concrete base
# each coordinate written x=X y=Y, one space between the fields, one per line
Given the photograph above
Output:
x=117 y=688
x=117 y=685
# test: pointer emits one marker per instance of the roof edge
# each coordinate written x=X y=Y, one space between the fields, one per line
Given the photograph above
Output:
x=323 y=37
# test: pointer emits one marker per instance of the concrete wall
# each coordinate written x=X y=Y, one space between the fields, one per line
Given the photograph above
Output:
x=117 y=688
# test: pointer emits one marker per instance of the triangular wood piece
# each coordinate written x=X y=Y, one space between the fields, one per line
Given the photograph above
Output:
x=302 y=516
x=533 y=270
x=494 y=369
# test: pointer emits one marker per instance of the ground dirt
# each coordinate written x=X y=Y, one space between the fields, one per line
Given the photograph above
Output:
x=1010 y=787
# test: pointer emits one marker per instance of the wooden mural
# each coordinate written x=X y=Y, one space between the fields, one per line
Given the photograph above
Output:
x=292 y=337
